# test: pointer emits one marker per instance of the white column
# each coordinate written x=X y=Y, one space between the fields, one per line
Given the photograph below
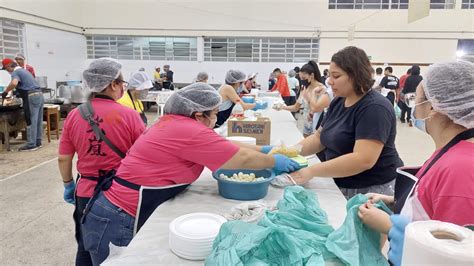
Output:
x=200 y=49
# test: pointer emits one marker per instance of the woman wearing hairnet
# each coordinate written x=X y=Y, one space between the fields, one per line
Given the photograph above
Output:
x=229 y=92
x=166 y=159
x=443 y=187
x=137 y=90
x=122 y=126
x=202 y=77
x=251 y=82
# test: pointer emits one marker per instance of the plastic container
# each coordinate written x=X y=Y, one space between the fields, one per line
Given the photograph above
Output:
x=243 y=190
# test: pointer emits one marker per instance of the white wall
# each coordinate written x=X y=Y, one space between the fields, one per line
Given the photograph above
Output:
x=61 y=14
x=56 y=54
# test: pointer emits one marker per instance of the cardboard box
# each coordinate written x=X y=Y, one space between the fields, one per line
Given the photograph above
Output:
x=259 y=129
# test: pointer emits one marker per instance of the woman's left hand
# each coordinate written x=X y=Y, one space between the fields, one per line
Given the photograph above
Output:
x=374 y=218
x=302 y=176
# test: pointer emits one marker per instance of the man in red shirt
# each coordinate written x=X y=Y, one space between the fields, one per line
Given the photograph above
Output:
x=20 y=59
x=282 y=86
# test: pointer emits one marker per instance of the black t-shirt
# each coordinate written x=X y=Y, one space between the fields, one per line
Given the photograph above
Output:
x=372 y=117
x=169 y=76
x=411 y=83
x=389 y=82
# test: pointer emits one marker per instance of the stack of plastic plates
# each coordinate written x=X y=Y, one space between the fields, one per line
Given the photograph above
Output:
x=191 y=235
x=247 y=140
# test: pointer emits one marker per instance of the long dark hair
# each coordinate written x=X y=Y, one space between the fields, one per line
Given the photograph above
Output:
x=355 y=62
x=312 y=68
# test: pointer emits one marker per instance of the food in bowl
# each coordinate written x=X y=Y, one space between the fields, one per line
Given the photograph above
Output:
x=241 y=177
x=243 y=190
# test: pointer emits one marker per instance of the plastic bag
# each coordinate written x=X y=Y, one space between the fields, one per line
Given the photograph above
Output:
x=281 y=237
x=302 y=203
x=288 y=151
x=240 y=243
x=249 y=211
x=298 y=233
x=398 y=112
x=283 y=180
x=354 y=243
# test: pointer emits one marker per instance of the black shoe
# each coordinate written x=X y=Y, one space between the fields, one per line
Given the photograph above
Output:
x=39 y=145
x=26 y=148
x=402 y=120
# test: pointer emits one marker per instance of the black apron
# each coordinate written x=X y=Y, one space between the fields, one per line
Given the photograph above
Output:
x=142 y=114
x=406 y=180
x=149 y=197
x=222 y=116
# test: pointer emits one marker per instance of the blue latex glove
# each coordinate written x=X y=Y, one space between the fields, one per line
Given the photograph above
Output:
x=266 y=149
x=69 y=192
x=396 y=235
x=260 y=105
x=284 y=164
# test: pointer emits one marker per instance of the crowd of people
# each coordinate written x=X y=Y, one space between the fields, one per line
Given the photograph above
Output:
x=348 y=123
x=126 y=171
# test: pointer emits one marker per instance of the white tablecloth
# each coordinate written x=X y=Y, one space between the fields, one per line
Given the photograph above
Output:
x=150 y=245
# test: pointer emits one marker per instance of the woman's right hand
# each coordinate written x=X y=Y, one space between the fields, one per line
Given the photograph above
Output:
x=375 y=197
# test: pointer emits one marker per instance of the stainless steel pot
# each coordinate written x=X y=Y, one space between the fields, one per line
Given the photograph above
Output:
x=79 y=94
x=64 y=92
x=42 y=82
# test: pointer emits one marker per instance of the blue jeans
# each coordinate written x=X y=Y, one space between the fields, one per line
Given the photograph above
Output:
x=34 y=131
x=104 y=224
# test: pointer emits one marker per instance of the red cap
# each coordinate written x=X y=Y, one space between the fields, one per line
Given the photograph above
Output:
x=6 y=62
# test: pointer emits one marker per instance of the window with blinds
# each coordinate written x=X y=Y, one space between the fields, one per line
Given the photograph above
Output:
x=231 y=49
x=385 y=4
x=467 y=4
x=142 y=48
x=11 y=38
x=260 y=49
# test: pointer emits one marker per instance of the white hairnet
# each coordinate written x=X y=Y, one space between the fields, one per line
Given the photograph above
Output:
x=201 y=76
x=450 y=88
x=100 y=73
x=139 y=81
x=197 y=97
x=235 y=76
x=21 y=56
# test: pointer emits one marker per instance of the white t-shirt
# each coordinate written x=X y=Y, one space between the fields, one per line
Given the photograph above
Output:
x=293 y=83
x=378 y=79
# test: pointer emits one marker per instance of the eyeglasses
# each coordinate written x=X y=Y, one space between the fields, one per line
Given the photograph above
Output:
x=122 y=81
